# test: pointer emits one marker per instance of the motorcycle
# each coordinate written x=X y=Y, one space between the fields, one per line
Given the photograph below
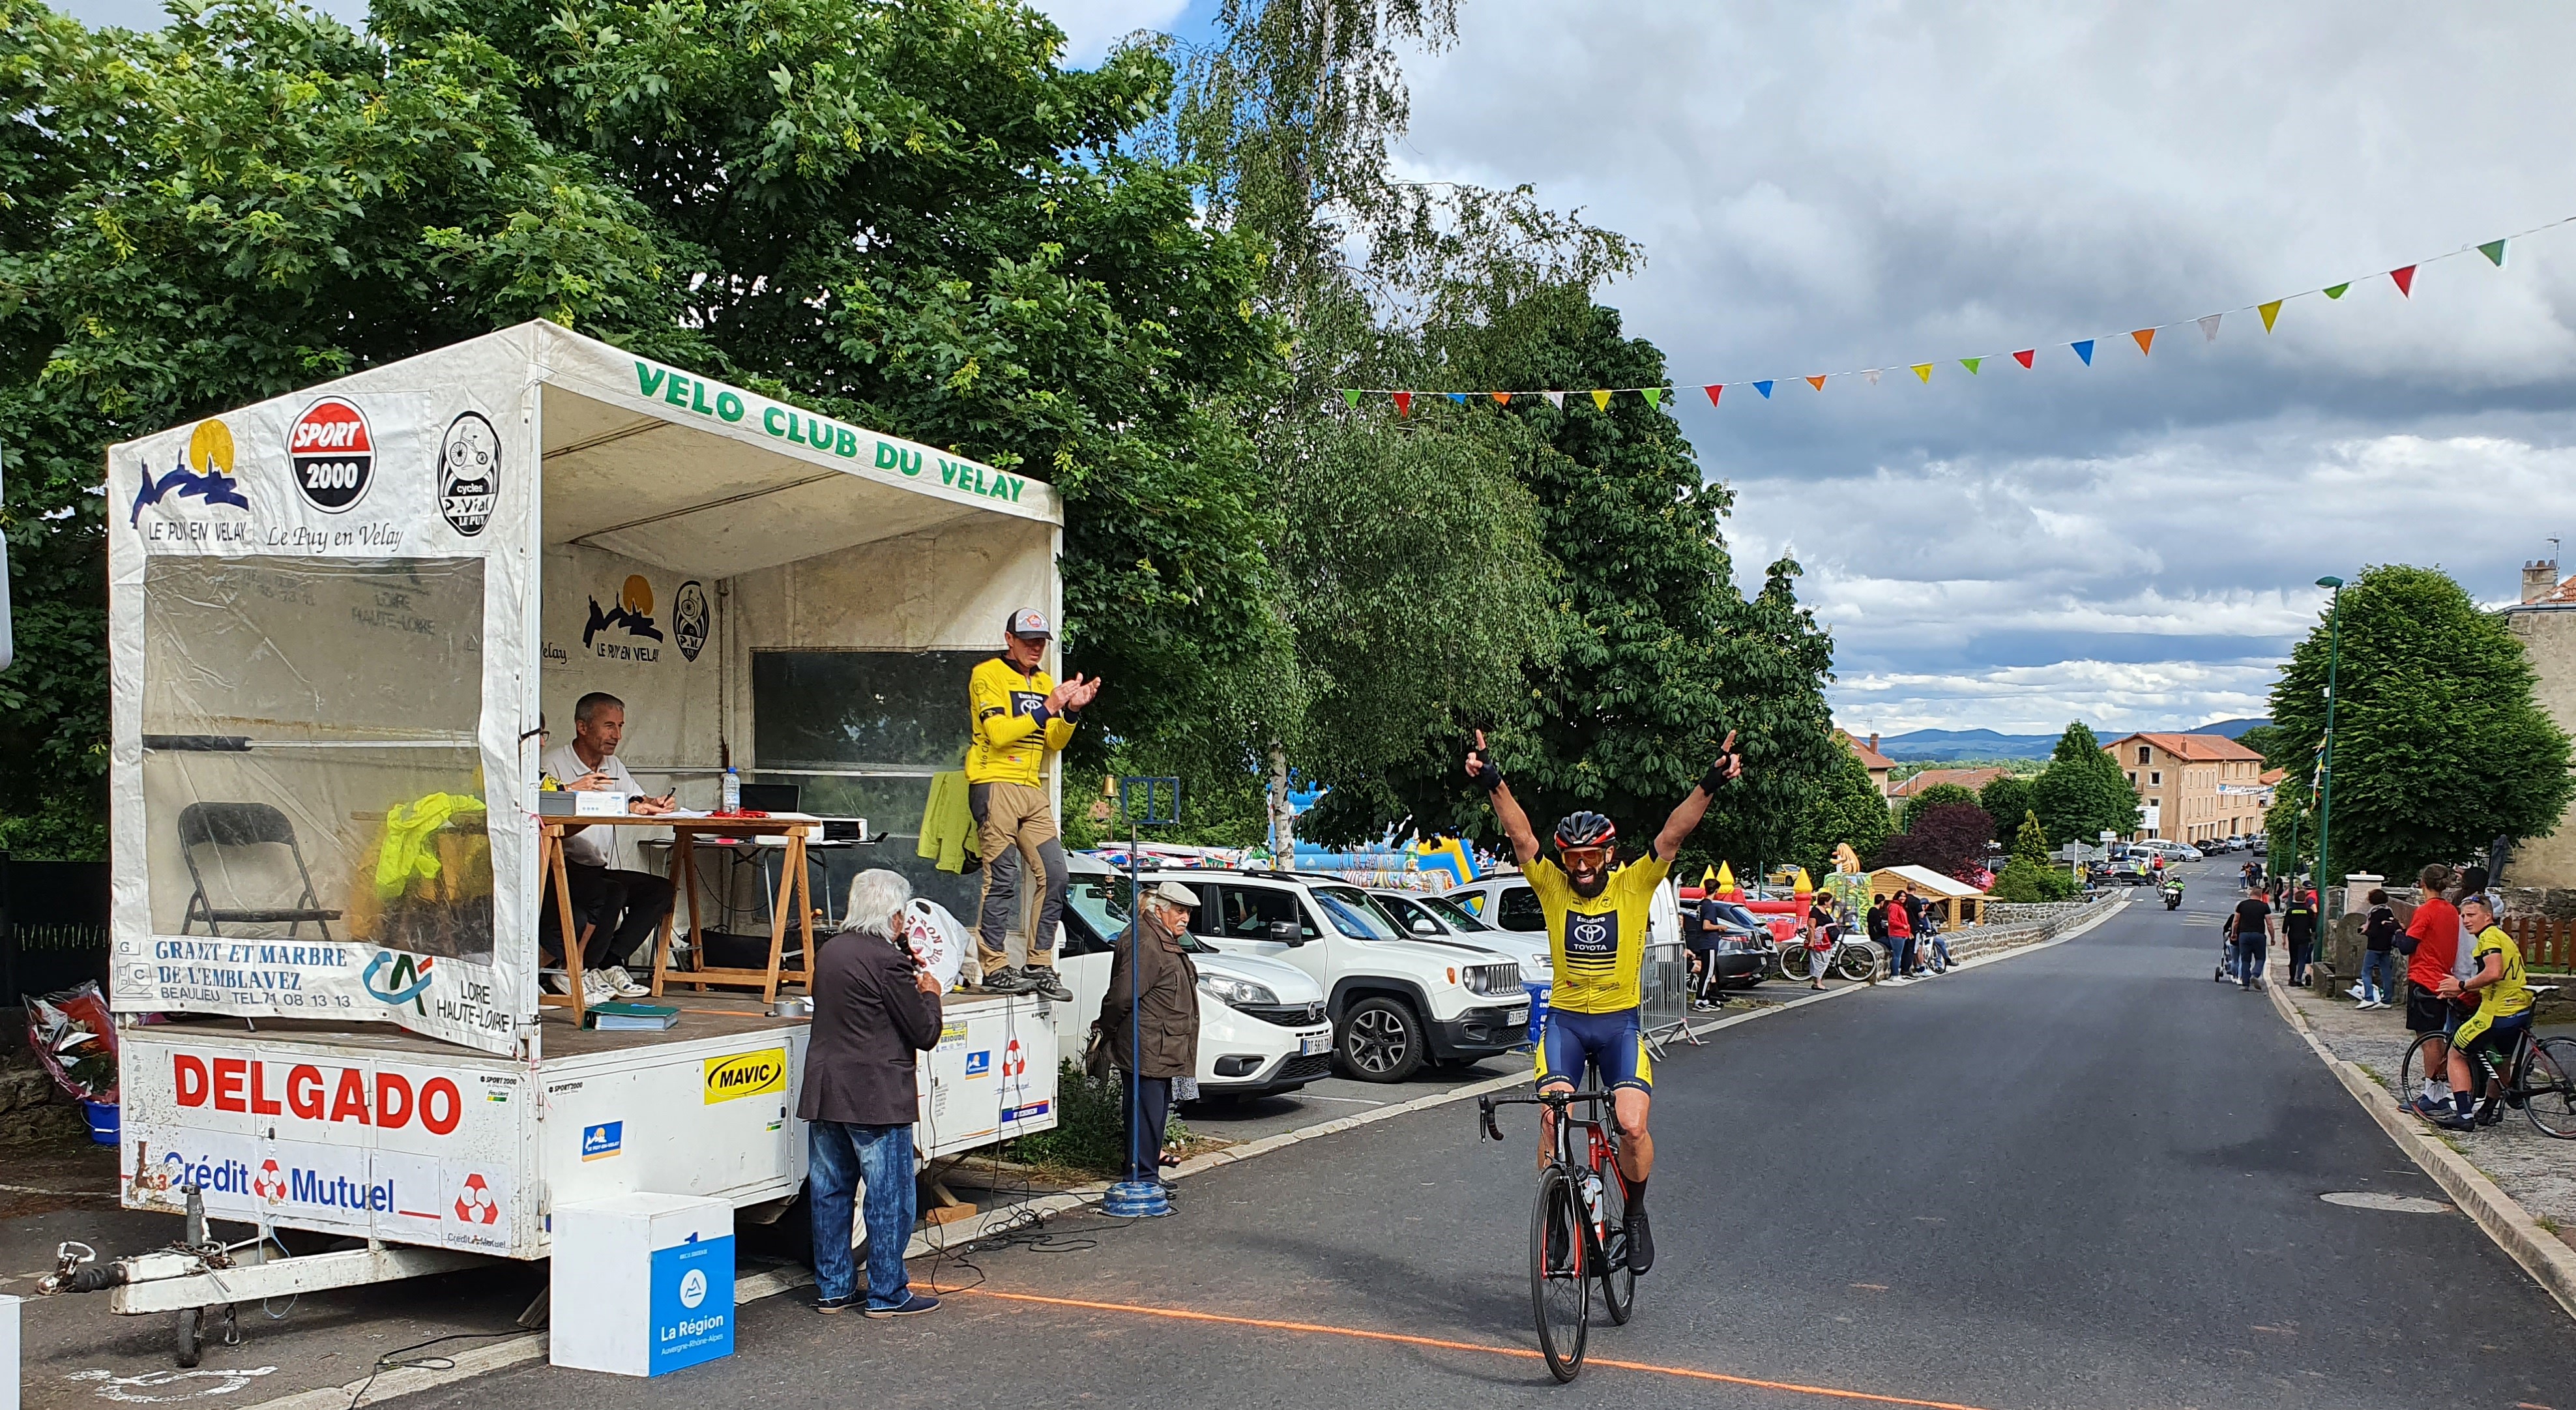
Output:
x=2173 y=895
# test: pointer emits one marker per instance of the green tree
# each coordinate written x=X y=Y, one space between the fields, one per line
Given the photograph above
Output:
x=2005 y=800
x=2030 y=840
x=1938 y=795
x=1845 y=807
x=248 y=201
x=2439 y=743
x=2270 y=742
x=2083 y=792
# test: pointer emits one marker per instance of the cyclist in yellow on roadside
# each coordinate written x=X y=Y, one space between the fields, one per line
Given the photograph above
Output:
x=2504 y=1009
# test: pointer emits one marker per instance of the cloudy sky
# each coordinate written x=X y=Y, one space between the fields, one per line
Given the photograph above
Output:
x=1843 y=184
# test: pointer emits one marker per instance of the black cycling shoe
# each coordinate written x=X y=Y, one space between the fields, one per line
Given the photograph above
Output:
x=1641 y=1243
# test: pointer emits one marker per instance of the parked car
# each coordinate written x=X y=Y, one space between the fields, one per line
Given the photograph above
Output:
x=1745 y=947
x=2173 y=851
x=1428 y=917
x=1395 y=1002
x=1263 y=1028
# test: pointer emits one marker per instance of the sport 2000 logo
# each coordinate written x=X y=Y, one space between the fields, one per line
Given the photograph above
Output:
x=333 y=454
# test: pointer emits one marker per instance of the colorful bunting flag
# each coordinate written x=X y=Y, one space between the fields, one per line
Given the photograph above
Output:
x=2402 y=276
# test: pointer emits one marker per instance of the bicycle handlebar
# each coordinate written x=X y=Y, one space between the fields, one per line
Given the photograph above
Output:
x=1555 y=1101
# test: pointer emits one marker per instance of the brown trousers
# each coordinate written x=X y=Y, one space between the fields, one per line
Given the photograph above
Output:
x=1013 y=820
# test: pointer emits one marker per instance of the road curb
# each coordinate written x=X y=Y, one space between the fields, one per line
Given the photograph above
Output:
x=941 y=1238
x=2542 y=1254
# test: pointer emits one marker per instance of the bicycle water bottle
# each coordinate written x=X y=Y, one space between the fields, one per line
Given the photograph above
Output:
x=732 y=791
x=1592 y=1195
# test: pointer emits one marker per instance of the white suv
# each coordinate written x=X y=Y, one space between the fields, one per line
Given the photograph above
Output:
x=1395 y=1003
x=1506 y=902
x=1262 y=1026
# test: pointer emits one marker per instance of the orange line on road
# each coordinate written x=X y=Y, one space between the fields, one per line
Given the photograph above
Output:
x=1184 y=1314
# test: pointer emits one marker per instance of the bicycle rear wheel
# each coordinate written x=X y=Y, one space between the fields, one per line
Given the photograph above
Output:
x=2549 y=1087
x=1618 y=1285
x=1560 y=1292
x=2410 y=1073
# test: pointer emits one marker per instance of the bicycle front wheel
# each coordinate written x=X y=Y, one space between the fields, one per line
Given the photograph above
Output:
x=1618 y=1285
x=1857 y=963
x=2549 y=1087
x=1560 y=1292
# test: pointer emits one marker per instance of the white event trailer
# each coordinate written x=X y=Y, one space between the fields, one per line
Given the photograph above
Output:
x=339 y=620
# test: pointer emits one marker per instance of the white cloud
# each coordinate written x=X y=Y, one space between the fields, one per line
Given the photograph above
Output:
x=1091 y=26
x=1856 y=183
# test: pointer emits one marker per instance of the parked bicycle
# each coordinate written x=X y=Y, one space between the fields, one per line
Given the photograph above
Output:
x=2540 y=1079
x=1578 y=1225
x=1854 y=957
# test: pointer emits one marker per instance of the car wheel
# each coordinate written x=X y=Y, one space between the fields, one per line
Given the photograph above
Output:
x=1381 y=1041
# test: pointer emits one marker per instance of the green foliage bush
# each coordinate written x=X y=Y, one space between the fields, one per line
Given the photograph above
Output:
x=1090 y=1132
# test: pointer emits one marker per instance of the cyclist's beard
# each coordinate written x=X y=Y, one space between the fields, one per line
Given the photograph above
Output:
x=1588 y=884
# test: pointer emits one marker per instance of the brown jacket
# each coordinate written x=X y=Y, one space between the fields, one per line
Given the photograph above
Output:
x=1168 y=1010
x=869 y=1021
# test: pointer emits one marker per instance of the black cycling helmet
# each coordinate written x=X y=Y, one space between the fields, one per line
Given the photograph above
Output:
x=1586 y=830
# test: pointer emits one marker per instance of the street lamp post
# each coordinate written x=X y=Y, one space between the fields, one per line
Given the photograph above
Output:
x=2325 y=802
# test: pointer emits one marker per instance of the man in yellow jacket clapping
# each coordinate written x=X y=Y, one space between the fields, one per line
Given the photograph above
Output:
x=1020 y=717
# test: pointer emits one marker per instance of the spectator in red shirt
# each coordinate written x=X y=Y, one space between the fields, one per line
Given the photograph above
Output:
x=1900 y=937
x=2431 y=942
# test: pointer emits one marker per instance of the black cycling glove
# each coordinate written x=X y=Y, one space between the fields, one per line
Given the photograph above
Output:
x=1716 y=775
x=1488 y=775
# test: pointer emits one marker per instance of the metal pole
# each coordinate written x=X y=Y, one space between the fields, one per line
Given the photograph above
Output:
x=2325 y=805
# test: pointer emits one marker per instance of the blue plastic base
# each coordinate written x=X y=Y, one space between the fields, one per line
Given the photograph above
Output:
x=1135 y=1199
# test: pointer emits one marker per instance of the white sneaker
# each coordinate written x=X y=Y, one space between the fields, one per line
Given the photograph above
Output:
x=624 y=983
x=596 y=990
x=559 y=982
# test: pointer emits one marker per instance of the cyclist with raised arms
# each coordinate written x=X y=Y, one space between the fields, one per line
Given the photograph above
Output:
x=1596 y=933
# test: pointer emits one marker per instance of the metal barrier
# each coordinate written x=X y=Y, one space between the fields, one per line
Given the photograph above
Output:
x=1663 y=986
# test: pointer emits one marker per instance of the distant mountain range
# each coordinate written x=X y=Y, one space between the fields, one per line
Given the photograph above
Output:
x=1925 y=745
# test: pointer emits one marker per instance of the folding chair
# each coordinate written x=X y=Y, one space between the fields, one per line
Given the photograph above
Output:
x=225 y=826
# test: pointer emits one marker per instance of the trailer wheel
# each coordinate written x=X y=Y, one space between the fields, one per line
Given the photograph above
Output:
x=189 y=1326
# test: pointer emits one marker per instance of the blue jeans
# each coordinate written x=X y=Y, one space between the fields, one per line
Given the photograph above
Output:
x=2374 y=976
x=838 y=1154
x=1145 y=1138
x=2253 y=948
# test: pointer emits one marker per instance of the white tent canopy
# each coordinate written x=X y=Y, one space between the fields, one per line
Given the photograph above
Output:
x=337 y=619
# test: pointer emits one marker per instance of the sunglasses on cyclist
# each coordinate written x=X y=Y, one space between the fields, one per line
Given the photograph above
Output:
x=1585 y=858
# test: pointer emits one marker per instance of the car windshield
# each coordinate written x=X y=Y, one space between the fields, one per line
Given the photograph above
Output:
x=1455 y=916
x=1349 y=910
x=1101 y=901
x=1729 y=913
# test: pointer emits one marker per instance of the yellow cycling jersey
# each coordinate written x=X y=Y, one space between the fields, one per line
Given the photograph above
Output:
x=1598 y=944
x=1010 y=744
x=2509 y=995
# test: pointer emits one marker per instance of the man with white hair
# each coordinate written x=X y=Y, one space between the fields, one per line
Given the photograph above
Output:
x=874 y=1009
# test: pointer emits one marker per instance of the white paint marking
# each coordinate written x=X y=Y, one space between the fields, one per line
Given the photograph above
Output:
x=124 y=1388
x=2392 y=1204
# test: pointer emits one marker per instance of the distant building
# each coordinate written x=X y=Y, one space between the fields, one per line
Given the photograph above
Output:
x=2545 y=622
x=1879 y=765
x=2192 y=787
x=1973 y=780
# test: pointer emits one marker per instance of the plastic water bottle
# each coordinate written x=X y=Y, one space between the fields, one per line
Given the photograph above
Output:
x=732 y=790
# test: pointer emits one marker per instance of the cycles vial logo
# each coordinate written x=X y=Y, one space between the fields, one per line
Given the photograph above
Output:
x=469 y=473
x=689 y=618
x=333 y=454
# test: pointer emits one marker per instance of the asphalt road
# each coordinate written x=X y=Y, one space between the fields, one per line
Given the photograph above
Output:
x=2085 y=1176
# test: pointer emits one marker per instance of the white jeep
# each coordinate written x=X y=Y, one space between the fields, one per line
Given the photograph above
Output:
x=1396 y=1003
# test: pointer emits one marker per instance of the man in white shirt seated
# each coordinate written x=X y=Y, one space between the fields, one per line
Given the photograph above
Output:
x=619 y=911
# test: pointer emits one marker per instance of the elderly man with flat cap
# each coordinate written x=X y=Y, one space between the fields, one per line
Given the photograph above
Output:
x=1151 y=1017
x=1020 y=717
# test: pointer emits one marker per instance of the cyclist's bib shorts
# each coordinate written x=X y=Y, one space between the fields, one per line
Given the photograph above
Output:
x=1614 y=1043
x=2492 y=1036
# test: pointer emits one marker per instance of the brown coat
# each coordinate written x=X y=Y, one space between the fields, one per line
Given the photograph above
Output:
x=870 y=1020
x=1168 y=1010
